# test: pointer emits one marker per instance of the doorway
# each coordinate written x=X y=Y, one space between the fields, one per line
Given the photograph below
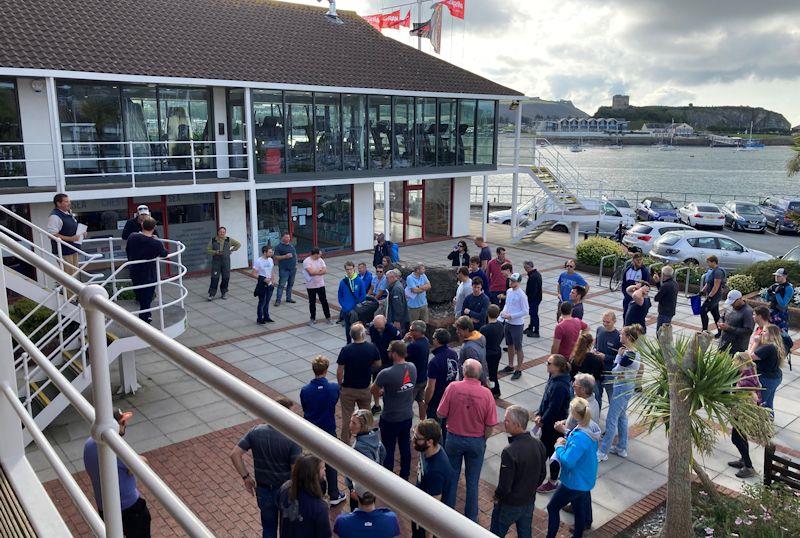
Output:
x=301 y=219
x=158 y=210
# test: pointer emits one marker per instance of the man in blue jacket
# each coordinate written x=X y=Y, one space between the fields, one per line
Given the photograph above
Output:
x=318 y=399
x=351 y=292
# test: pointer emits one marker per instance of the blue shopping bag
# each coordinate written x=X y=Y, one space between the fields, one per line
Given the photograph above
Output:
x=694 y=300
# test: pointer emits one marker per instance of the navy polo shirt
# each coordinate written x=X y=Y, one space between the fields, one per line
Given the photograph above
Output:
x=318 y=400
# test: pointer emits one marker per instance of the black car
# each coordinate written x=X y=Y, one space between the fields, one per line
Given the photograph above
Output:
x=779 y=213
x=741 y=216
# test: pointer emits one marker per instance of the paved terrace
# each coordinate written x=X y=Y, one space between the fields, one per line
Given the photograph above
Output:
x=186 y=430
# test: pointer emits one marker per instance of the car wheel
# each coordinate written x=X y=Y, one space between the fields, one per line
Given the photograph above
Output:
x=560 y=228
x=778 y=227
x=507 y=222
x=734 y=226
x=691 y=261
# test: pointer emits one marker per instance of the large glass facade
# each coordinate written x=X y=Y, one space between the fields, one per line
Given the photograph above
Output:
x=379 y=112
x=426 y=131
x=437 y=207
x=485 y=132
x=10 y=133
x=273 y=215
x=299 y=132
x=446 y=133
x=334 y=217
x=268 y=130
x=328 y=131
x=237 y=134
x=403 y=132
x=465 y=152
x=191 y=219
x=354 y=116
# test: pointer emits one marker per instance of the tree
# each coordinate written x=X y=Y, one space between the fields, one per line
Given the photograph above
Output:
x=689 y=387
x=793 y=166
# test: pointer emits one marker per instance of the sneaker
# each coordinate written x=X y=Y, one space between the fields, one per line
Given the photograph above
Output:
x=261 y=321
x=330 y=321
x=621 y=452
x=311 y=322
x=528 y=333
x=507 y=369
x=745 y=472
x=717 y=336
x=736 y=464
x=517 y=374
x=376 y=409
x=547 y=487
x=278 y=303
x=601 y=456
x=210 y=297
x=338 y=500
x=223 y=296
x=536 y=334
x=270 y=320
x=290 y=301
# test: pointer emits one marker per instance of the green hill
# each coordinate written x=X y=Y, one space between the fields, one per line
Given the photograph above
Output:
x=712 y=118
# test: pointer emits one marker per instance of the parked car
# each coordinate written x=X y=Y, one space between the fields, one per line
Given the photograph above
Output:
x=607 y=225
x=777 y=211
x=694 y=247
x=644 y=234
x=622 y=206
x=702 y=214
x=793 y=255
x=744 y=216
x=504 y=216
x=656 y=209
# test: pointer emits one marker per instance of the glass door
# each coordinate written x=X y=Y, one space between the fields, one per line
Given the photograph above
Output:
x=301 y=220
x=415 y=213
x=158 y=210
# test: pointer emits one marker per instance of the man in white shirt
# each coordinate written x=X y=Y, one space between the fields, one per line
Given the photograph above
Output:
x=314 y=269
x=513 y=314
x=62 y=224
x=463 y=290
x=262 y=268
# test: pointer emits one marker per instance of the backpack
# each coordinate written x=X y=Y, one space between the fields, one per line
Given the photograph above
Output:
x=395 y=256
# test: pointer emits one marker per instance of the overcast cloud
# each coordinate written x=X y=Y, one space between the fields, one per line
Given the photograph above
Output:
x=709 y=52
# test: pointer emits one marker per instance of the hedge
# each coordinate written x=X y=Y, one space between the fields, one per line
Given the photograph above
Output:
x=590 y=251
x=761 y=272
x=743 y=283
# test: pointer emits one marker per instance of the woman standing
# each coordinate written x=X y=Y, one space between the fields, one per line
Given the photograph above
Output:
x=584 y=360
x=769 y=357
x=554 y=407
x=626 y=368
x=459 y=255
x=579 y=470
x=303 y=509
x=262 y=269
x=747 y=379
x=367 y=442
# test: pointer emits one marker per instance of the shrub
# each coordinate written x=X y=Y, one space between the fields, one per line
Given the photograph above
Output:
x=762 y=272
x=22 y=308
x=590 y=251
x=744 y=283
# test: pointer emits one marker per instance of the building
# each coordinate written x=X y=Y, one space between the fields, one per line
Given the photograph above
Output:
x=259 y=116
x=583 y=125
x=620 y=101
x=667 y=129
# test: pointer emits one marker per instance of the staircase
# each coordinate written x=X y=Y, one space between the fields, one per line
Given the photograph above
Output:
x=57 y=325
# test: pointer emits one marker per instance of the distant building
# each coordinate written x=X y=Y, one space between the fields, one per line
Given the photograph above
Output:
x=583 y=125
x=668 y=129
x=683 y=129
x=796 y=129
x=620 y=101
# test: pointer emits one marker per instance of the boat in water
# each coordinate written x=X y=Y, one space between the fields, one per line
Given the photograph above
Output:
x=750 y=144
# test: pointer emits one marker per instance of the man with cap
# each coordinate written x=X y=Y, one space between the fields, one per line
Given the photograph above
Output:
x=738 y=324
x=135 y=515
x=383 y=248
x=134 y=224
x=779 y=295
x=513 y=313
x=367 y=521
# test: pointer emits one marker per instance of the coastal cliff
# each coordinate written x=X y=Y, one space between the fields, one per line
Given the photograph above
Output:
x=712 y=118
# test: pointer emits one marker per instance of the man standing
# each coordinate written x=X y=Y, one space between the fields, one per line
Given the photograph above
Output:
x=497 y=280
x=396 y=306
x=442 y=370
x=286 y=256
x=62 y=224
x=383 y=248
x=220 y=248
x=273 y=457
x=417 y=286
x=381 y=334
x=318 y=399
x=314 y=269
x=476 y=271
x=473 y=346
x=712 y=287
x=666 y=297
x=533 y=289
x=634 y=272
x=568 y=280
x=396 y=384
x=780 y=295
x=379 y=283
x=366 y=278
x=418 y=348
x=463 y=290
x=476 y=305
x=471 y=414
x=143 y=246
x=350 y=293
x=367 y=520
x=354 y=371
x=434 y=472
x=135 y=514
x=738 y=324
x=522 y=470
x=134 y=224
x=576 y=299
x=567 y=331
x=513 y=314
x=485 y=255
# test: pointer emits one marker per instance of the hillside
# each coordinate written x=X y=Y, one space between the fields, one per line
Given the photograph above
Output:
x=541 y=109
x=716 y=118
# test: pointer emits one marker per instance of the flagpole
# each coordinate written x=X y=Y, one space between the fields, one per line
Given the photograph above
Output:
x=419 y=21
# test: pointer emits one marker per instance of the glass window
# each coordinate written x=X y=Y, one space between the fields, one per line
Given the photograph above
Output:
x=334 y=217
x=466 y=131
x=397 y=210
x=273 y=217
x=437 y=208
x=268 y=130
x=380 y=130
x=403 y=132
x=24 y=211
x=414 y=217
x=237 y=134
x=485 y=132
x=730 y=245
x=299 y=130
x=103 y=218
x=426 y=131
x=10 y=132
x=140 y=113
x=185 y=114
x=379 y=208
x=328 y=131
x=446 y=132
x=354 y=114
x=192 y=221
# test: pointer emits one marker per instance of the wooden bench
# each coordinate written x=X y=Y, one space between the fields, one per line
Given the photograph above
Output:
x=780 y=469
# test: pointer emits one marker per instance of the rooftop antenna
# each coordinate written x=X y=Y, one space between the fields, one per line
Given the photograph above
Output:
x=331 y=14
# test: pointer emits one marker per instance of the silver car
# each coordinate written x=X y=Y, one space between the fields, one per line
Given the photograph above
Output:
x=607 y=224
x=693 y=247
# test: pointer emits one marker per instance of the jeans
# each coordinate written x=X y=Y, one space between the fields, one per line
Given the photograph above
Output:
x=598 y=395
x=262 y=310
x=397 y=433
x=345 y=317
x=145 y=298
x=661 y=320
x=533 y=312
x=285 y=279
x=617 y=418
x=710 y=305
x=770 y=386
x=504 y=515
x=608 y=388
x=493 y=362
x=267 y=499
x=471 y=450
x=740 y=442
x=313 y=293
x=562 y=497
x=549 y=438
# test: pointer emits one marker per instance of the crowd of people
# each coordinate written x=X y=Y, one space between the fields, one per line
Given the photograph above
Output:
x=393 y=360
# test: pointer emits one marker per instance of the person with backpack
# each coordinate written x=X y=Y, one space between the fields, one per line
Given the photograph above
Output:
x=220 y=247
x=350 y=293
x=714 y=289
x=780 y=295
x=383 y=248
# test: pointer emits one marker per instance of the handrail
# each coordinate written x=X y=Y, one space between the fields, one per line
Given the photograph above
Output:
x=603 y=265
x=398 y=493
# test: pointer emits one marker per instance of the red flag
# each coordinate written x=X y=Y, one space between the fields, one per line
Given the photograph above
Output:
x=376 y=21
x=406 y=22
x=456 y=7
x=391 y=20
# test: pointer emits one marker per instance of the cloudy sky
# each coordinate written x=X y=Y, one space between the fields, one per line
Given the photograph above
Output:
x=670 y=52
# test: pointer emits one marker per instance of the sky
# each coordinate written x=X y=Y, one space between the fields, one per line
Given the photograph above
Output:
x=660 y=52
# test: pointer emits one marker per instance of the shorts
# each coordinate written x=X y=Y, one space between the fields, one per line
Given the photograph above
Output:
x=419 y=391
x=513 y=336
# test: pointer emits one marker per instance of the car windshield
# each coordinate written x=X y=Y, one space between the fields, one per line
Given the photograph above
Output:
x=794 y=206
x=642 y=229
x=669 y=239
x=747 y=209
x=793 y=255
x=661 y=204
x=621 y=203
x=708 y=208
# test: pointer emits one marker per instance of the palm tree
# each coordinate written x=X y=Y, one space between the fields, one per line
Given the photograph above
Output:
x=793 y=166
x=690 y=388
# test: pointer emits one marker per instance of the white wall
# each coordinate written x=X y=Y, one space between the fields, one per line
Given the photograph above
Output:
x=363 y=216
x=461 y=207
x=35 y=120
x=221 y=146
x=232 y=216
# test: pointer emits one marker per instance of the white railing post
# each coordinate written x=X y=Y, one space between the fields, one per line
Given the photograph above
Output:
x=160 y=293
x=104 y=412
x=194 y=171
x=55 y=132
x=485 y=206
x=387 y=213
x=515 y=177
x=133 y=171
x=11 y=447
x=113 y=266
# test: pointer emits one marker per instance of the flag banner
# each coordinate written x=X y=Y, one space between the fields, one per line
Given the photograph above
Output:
x=431 y=29
x=406 y=22
x=391 y=20
x=456 y=7
x=421 y=30
x=375 y=21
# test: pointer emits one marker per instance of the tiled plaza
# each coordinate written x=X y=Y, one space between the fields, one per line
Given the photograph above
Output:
x=186 y=430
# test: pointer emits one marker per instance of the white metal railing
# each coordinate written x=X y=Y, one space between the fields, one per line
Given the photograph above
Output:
x=398 y=493
x=25 y=156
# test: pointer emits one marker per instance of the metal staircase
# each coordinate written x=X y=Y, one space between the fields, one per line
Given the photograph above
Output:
x=57 y=325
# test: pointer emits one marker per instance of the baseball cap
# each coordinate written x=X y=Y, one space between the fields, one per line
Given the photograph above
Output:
x=733 y=295
x=780 y=272
x=516 y=277
x=143 y=210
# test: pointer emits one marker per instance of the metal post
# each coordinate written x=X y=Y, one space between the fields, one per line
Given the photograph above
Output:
x=133 y=172
x=11 y=449
x=55 y=133
x=485 y=218
x=194 y=171
x=253 y=202
x=387 y=214
x=104 y=413
x=160 y=294
x=419 y=38
x=515 y=180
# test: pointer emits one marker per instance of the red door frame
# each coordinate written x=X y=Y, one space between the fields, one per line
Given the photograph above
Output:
x=406 y=189
x=161 y=204
x=296 y=194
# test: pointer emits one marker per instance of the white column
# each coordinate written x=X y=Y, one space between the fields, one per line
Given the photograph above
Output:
x=387 y=214
x=485 y=212
x=363 y=216
x=574 y=234
x=221 y=139
x=37 y=133
x=128 y=379
x=254 y=223
x=248 y=129
x=55 y=129
x=515 y=180
x=461 y=199
x=232 y=216
x=11 y=447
